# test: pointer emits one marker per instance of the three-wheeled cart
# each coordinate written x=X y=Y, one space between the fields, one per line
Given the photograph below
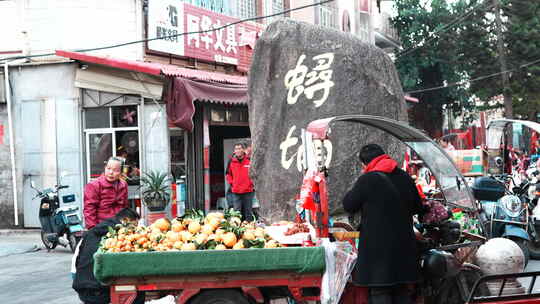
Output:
x=259 y=275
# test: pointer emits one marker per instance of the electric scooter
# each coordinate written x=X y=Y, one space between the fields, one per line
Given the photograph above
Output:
x=59 y=225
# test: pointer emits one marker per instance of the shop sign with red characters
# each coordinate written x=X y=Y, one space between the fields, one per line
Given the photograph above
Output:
x=231 y=45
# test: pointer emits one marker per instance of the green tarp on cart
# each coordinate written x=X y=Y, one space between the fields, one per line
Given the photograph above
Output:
x=108 y=266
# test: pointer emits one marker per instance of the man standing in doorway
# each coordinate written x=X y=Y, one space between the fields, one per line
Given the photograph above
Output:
x=241 y=184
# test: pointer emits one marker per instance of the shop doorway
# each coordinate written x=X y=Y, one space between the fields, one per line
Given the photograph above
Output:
x=222 y=140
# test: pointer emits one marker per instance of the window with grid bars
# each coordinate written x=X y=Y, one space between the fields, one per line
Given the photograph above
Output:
x=247 y=9
x=277 y=6
x=327 y=16
x=273 y=7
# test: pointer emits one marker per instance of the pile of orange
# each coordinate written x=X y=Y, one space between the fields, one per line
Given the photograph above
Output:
x=213 y=232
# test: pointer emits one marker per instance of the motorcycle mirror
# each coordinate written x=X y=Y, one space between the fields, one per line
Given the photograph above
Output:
x=32 y=184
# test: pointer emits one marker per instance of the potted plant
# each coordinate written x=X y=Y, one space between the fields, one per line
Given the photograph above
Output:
x=155 y=192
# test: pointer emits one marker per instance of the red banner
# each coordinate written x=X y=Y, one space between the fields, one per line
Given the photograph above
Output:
x=231 y=45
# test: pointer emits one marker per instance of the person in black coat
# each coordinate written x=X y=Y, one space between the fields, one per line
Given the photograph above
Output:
x=387 y=199
x=90 y=290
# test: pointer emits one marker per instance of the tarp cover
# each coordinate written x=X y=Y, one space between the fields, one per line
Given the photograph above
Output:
x=180 y=93
x=299 y=73
x=134 y=264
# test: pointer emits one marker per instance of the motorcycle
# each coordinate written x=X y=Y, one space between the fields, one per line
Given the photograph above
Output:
x=505 y=212
x=532 y=196
x=446 y=276
x=59 y=225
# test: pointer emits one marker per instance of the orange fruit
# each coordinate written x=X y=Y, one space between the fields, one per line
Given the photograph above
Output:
x=194 y=227
x=162 y=224
x=188 y=247
x=229 y=239
x=177 y=227
x=173 y=236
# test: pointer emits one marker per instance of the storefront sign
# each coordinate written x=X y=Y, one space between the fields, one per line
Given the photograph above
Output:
x=231 y=45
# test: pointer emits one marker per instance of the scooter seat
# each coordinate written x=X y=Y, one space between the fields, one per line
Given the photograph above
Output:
x=67 y=209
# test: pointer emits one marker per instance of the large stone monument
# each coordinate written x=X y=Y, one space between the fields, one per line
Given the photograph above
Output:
x=301 y=72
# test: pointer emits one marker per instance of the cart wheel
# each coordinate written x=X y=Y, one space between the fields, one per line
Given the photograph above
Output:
x=219 y=296
x=48 y=244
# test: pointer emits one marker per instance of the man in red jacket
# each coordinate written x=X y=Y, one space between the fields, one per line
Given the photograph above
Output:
x=241 y=184
x=106 y=195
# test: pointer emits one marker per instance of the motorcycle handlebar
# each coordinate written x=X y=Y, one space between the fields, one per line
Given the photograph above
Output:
x=62 y=187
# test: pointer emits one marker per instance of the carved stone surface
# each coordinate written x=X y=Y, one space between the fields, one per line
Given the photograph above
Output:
x=301 y=72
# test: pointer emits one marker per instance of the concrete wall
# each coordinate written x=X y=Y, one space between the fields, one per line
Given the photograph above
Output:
x=42 y=26
x=42 y=86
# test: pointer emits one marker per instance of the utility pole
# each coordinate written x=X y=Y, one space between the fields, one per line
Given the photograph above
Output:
x=508 y=111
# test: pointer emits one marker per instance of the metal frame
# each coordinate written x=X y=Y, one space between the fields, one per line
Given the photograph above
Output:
x=111 y=130
x=320 y=129
x=529 y=296
x=124 y=290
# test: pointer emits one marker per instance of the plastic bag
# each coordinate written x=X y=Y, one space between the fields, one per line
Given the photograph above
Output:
x=340 y=260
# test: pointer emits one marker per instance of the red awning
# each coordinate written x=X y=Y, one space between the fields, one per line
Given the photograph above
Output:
x=154 y=68
x=180 y=95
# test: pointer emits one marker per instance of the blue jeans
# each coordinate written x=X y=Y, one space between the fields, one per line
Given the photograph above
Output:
x=243 y=202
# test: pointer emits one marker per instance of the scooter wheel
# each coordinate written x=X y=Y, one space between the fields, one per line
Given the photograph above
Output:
x=523 y=244
x=48 y=244
x=73 y=241
x=534 y=249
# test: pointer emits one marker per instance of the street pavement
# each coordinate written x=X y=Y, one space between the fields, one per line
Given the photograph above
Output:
x=30 y=274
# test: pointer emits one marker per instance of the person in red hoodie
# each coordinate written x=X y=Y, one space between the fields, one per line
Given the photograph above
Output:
x=106 y=195
x=241 y=184
x=387 y=199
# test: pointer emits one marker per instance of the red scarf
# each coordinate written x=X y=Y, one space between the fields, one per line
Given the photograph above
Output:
x=382 y=163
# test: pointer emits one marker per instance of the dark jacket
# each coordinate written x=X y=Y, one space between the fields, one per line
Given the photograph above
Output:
x=238 y=175
x=84 y=277
x=387 y=253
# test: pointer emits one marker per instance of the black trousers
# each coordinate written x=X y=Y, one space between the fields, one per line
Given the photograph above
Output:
x=397 y=294
x=95 y=296
x=102 y=296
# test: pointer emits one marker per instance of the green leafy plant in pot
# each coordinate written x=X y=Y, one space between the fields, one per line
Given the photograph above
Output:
x=155 y=190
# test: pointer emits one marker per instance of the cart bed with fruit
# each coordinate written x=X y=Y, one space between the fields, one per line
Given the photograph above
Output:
x=193 y=259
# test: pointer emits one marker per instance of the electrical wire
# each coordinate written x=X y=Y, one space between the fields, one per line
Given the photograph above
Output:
x=475 y=79
x=176 y=35
x=442 y=30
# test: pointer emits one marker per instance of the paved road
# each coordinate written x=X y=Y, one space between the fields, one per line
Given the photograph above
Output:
x=34 y=276
x=30 y=276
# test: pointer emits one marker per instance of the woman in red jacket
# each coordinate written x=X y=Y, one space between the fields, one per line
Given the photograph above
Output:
x=106 y=195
